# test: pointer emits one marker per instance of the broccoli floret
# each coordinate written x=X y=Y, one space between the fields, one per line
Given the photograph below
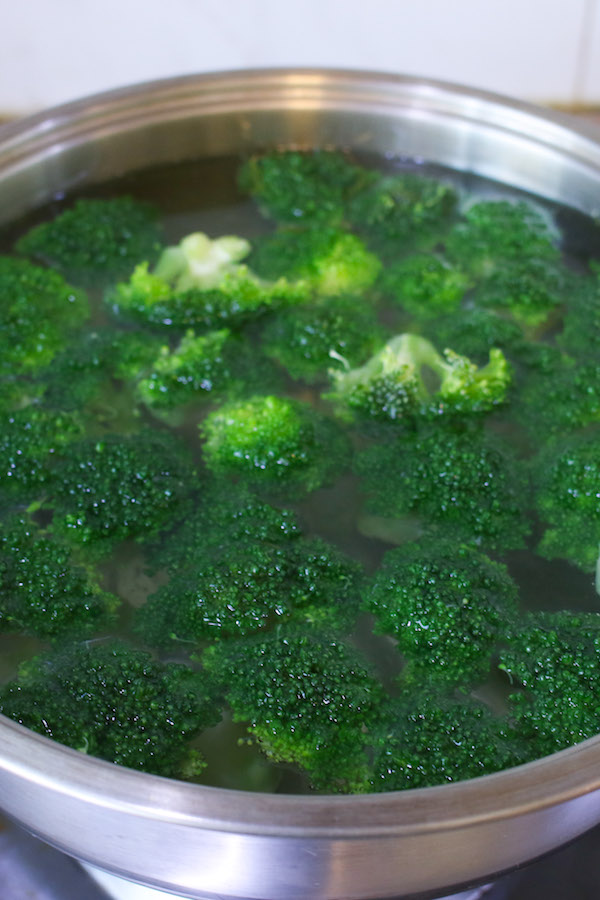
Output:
x=581 y=324
x=200 y=283
x=475 y=332
x=119 y=487
x=425 y=285
x=574 y=390
x=395 y=384
x=96 y=241
x=461 y=480
x=567 y=479
x=250 y=587
x=296 y=186
x=96 y=374
x=397 y=212
x=308 y=339
x=31 y=442
x=221 y=516
x=110 y=700
x=427 y=740
x=277 y=443
x=328 y=261
x=528 y=290
x=447 y=605
x=497 y=233
x=307 y=700
x=38 y=312
x=207 y=366
x=555 y=658
x=43 y=592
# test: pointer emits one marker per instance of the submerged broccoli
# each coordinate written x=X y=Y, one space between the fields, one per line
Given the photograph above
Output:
x=200 y=283
x=447 y=605
x=459 y=480
x=273 y=442
x=425 y=285
x=497 y=233
x=110 y=700
x=212 y=365
x=96 y=373
x=222 y=515
x=38 y=313
x=119 y=487
x=307 y=700
x=427 y=740
x=43 y=592
x=397 y=212
x=327 y=261
x=296 y=186
x=567 y=480
x=251 y=586
x=555 y=658
x=96 y=241
x=32 y=441
x=574 y=394
x=393 y=384
x=528 y=290
x=308 y=339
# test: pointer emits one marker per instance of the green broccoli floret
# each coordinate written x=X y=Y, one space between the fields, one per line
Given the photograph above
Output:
x=43 y=591
x=459 y=480
x=447 y=605
x=555 y=658
x=496 y=233
x=475 y=332
x=574 y=392
x=96 y=373
x=38 y=313
x=96 y=241
x=308 y=339
x=581 y=324
x=567 y=480
x=528 y=290
x=249 y=587
x=306 y=699
x=211 y=366
x=32 y=440
x=427 y=740
x=110 y=700
x=396 y=383
x=296 y=186
x=200 y=283
x=277 y=443
x=222 y=515
x=399 y=212
x=328 y=261
x=425 y=285
x=118 y=487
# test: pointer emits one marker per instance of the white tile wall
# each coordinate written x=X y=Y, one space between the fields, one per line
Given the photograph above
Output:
x=56 y=50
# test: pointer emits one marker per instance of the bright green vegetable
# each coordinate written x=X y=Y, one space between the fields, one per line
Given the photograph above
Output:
x=273 y=442
x=308 y=187
x=395 y=384
x=200 y=283
x=447 y=605
x=460 y=480
x=306 y=700
x=38 y=313
x=95 y=242
x=43 y=591
x=111 y=700
x=425 y=285
x=328 y=261
x=310 y=339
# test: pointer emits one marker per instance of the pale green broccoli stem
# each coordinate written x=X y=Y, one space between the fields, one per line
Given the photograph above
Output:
x=201 y=262
x=406 y=353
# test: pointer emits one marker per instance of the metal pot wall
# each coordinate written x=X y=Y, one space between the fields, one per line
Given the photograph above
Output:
x=208 y=842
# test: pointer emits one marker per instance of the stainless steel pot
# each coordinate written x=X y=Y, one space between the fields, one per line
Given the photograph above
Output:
x=208 y=842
